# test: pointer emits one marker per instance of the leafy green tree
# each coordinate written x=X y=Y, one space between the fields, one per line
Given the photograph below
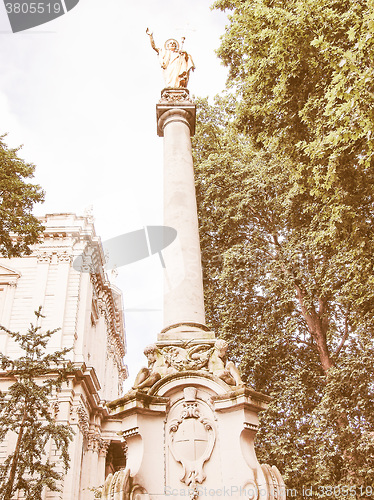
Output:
x=303 y=73
x=288 y=270
x=17 y=198
x=25 y=409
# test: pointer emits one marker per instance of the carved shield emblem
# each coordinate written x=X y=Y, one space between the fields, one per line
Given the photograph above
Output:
x=191 y=439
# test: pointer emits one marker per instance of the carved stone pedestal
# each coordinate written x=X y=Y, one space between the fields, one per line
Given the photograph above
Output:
x=192 y=436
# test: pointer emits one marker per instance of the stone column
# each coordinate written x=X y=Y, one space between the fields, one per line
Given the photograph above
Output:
x=184 y=315
x=103 y=450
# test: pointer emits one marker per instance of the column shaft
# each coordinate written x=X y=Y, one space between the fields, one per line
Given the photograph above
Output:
x=184 y=314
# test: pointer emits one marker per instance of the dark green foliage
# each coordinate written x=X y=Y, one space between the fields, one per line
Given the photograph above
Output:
x=288 y=251
x=26 y=409
x=17 y=199
x=303 y=71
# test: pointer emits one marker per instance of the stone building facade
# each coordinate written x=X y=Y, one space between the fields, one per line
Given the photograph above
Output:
x=87 y=309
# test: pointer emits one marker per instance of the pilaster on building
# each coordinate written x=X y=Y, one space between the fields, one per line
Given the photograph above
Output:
x=88 y=311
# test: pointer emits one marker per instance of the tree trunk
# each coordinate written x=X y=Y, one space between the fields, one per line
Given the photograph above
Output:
x=317 y=325
x=13 y=469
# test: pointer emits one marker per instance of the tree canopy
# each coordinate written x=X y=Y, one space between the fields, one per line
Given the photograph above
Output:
x=303 y=71
x=285 y=181
x=18 y=227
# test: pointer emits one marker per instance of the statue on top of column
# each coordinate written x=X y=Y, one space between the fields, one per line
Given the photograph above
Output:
x=175 y=62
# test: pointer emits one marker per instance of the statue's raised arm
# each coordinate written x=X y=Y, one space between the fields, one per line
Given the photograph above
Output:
x=175 y=62
x=152 y=40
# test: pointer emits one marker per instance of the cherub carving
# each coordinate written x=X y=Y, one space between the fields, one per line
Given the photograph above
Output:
x=219 y=366
x=157 y=368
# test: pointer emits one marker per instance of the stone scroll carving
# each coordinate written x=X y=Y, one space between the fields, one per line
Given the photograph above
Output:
x=117 y=486
x=191 y=440
x=172 y=359
x=274 y=481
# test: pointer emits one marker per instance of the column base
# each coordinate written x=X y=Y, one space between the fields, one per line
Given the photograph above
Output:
x=182 y=332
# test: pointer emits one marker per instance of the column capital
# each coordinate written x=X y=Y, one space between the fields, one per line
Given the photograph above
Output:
x=175 y=105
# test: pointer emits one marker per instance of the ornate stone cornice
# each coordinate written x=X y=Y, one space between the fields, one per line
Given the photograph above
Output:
x=242 y=397
x=64 y=257
x=109 y=308
x=44 y=257
x=141 y=401
x=175 y=96
x=134 y=431
x=251 y=427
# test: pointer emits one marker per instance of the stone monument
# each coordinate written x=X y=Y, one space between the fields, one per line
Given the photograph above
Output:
x=189 y=422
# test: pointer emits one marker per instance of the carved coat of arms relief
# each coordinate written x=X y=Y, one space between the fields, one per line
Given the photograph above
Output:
x=191 y=436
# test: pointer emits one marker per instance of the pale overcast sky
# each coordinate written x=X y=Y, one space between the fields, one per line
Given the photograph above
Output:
x=80 y=93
